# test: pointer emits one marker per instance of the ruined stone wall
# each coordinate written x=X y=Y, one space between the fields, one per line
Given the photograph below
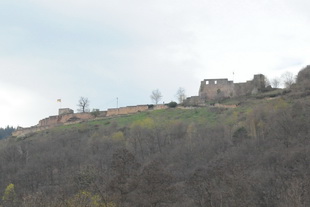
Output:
x=65 y=111
x=74 y=117
x=160 y=106
x=23 y=131
x=134 y=109
x=212 y=89
x=250 y=87
x=56 y=120
x=225 y=106
x=192 y=101
x=259 y=82
x=53 y=121
x=241 y=89
x=216 y=88
x=127 y=110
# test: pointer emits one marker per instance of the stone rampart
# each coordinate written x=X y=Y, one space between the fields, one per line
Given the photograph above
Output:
x=225 y=106
x=127 y=110
x=65 y=111
x=192 y=101
x=23 y=131
x=134 y=109
x=60 y=119
x=160 y=106
x=71 y=118
x=216 y=89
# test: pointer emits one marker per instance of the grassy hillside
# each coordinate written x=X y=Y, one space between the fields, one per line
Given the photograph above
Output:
x=254 y=155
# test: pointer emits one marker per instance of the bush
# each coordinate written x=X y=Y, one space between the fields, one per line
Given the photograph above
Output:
x=95 y=112
x=240 y=135
x=172 y=104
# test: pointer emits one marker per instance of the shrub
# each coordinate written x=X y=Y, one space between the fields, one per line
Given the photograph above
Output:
x=95 y=112
x=172 y=104
x=240 y=135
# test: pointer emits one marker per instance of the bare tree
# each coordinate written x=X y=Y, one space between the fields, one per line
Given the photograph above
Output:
x=181 y=95
x=156 y=96
x=288 y=79
x=83 y=105
x=267 y=82
x=275 y=83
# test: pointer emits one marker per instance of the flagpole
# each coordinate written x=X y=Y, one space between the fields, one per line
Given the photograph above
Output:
x=59 y=100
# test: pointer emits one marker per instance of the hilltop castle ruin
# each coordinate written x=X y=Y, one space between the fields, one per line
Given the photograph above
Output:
x=67 y=116
x=210 y=89
x=216 y=89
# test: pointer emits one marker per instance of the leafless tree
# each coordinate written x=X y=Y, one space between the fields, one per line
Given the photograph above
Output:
x=181 y=95
x=275 y=83
x=267 y=82
x=288 y=79
x=83 y=105
x=156 y=96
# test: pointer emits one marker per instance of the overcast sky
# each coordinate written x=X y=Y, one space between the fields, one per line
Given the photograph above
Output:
x=64 y=49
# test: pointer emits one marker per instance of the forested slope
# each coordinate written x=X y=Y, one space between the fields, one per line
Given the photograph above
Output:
x=6 y=132
x=254 y=155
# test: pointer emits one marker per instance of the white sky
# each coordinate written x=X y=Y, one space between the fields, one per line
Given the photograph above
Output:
x=64 y=49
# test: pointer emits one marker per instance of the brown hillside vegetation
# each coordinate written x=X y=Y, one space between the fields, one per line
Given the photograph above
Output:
x=256 y=154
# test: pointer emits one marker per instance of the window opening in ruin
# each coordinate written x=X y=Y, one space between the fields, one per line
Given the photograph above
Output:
x=207 y=82
x=215 y=82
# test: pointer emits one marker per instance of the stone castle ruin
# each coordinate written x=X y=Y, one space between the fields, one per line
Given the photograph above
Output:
x=67 y=116
x=210 y=89
x=217 y=89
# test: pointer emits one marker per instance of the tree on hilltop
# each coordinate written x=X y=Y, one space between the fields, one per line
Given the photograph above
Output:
x=288 y=79
x=181 y=95
x=156 y=96
x=275 y=83
x=83 y=105
x=6 y=132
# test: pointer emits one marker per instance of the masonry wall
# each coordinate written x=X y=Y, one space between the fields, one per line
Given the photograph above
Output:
x=225 y=106
x=192 y=101
x=250 y=87
x=65 y=111
x=216 y=88
x=56 y=120
x=134 y=109
x=127 y=110
x=211 y=89
x=24 y=131
x=160 y=106
x=74 y=118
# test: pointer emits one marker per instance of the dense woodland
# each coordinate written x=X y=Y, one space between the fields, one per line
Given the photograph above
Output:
x=6 y=132
x=254 y=155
